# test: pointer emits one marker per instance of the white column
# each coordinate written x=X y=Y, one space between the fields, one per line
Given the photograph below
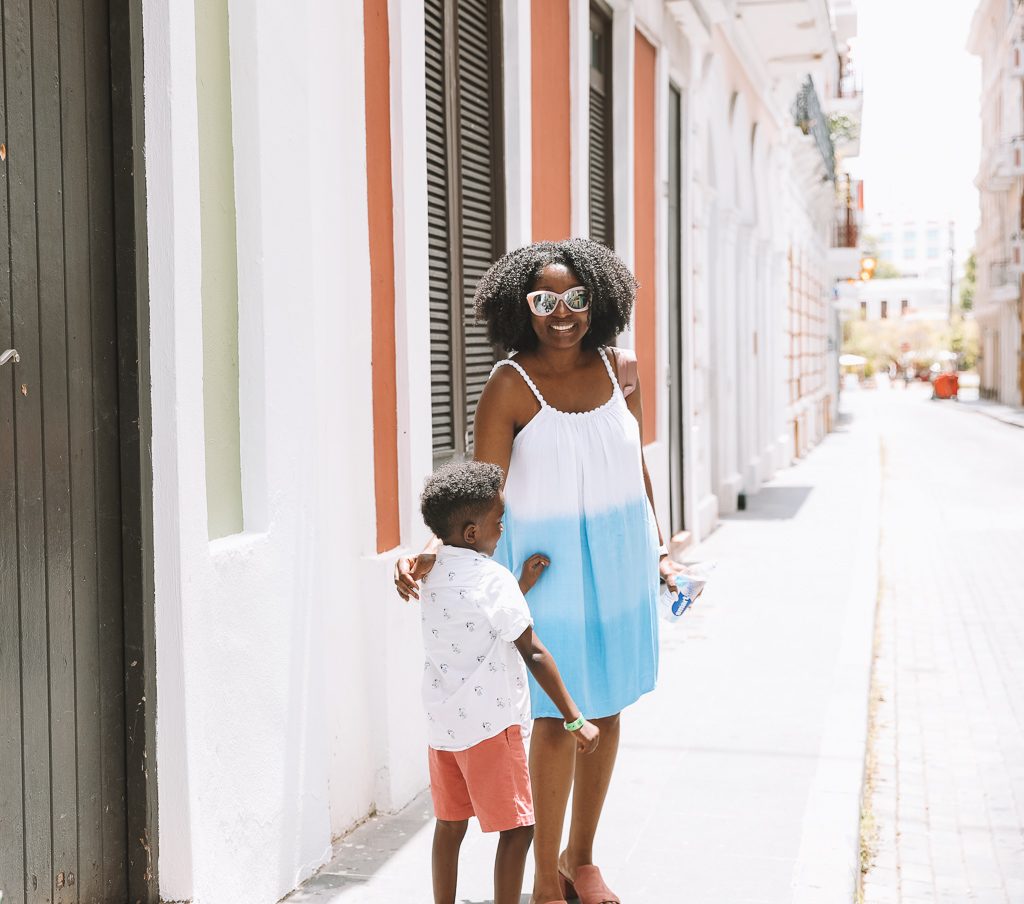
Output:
x=724 y=316
x=579 y=117
x=517 y=53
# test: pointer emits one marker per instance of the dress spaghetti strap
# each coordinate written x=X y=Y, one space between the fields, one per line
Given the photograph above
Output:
x=611 y=371
x=525 y=376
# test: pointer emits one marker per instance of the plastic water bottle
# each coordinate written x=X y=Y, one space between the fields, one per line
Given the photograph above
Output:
x=674 y=603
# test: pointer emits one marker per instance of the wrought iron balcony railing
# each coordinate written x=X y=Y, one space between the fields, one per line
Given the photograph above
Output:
x=1002 y=273
x=846 y=235
x=809 y=118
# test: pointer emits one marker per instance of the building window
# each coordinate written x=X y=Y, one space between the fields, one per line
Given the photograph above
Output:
x=904 y=304
x=909 y=237
x=465 y=205
x=885 y=309
x=863 y=310
x=600 y=136
x=933 y=252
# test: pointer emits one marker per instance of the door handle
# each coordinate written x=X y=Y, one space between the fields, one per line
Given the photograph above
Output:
x=7 y=355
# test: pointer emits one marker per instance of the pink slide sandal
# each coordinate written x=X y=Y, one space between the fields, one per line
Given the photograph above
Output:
x=588 y=888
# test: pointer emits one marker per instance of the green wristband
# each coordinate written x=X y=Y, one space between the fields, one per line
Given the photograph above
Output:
x=574 y=726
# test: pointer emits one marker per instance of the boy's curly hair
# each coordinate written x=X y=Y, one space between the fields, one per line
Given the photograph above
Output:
x=501 y=295
x=457 y=493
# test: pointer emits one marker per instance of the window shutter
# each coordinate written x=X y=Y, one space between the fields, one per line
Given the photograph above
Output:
x=600 y=129
x=465 y=205
x=438 y=232
x=482 y=178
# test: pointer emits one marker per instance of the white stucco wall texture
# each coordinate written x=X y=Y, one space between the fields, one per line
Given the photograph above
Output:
x=281 y=649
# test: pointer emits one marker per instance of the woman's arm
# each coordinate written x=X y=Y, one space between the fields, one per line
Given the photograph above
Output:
x=500 y=410
x=410 y=570
x=635 y=404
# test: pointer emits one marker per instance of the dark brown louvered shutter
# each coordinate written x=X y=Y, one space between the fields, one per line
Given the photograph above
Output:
x=465 y=205
x=438 y=232
x=482 y=180
x=600 y=128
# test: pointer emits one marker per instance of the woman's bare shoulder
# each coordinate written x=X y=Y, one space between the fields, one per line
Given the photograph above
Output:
x=506 y=388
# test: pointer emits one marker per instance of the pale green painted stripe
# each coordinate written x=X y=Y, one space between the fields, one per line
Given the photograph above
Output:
x=220 y=271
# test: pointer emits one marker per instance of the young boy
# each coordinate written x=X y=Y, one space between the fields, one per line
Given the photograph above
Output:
x=475 y=618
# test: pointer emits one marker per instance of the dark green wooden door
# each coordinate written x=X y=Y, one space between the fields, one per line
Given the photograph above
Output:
x=63 y=834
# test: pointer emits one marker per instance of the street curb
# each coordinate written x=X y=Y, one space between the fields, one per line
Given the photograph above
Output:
x=1014 y=417
x=827 y=869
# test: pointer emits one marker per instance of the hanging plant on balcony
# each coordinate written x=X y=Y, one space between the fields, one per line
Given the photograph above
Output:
x=842 y=128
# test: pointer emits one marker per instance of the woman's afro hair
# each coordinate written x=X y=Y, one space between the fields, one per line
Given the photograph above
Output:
x=457 y=493
x=501 y=296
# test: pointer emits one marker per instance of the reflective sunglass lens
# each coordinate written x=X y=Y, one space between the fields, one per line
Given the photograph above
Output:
x=576 y=301
x=545 y=303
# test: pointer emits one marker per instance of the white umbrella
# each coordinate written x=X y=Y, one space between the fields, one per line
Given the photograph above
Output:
x=852 y=360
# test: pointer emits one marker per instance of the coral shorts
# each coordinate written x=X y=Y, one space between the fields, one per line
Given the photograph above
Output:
x=490 y=780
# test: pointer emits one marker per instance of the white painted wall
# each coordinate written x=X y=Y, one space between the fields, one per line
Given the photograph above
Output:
x=264 y=672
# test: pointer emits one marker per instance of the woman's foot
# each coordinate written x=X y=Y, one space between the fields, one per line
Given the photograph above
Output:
x=583 y=881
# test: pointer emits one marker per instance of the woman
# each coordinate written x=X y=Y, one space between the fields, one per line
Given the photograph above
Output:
x=555 y=418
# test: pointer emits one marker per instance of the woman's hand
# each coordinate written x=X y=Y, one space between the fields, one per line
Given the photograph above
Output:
x=409 y=571
x=533 y=568
x=669 y=568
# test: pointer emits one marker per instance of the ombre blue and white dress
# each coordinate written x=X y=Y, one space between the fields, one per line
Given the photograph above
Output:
x=575 y=492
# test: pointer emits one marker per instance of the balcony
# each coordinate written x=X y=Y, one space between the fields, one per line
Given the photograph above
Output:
x=846 y=235
x=1016 y=160
x=1003 y=282
x=1015 y=263
x=994 y=174
x=809 y=119
x=1015 y=64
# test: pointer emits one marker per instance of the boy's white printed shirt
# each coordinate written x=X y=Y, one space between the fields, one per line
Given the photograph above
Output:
x=474 y=680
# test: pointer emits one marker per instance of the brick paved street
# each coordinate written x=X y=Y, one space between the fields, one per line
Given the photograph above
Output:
x=948 y=775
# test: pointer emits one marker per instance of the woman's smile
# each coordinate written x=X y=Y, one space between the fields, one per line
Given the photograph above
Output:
x=564 y=327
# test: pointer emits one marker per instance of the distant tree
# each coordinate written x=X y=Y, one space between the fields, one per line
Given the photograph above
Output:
x=887 y=270
x=969 y=283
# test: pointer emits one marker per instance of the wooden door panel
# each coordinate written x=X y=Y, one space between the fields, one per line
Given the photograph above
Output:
x=62 y=734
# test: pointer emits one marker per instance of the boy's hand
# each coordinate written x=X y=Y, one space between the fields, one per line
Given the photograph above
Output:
x=533 y=568
x=587 y=738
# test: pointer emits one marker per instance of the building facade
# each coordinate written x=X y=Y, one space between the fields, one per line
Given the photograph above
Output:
x=323 y=184
x=997 y=37
x=914 y=248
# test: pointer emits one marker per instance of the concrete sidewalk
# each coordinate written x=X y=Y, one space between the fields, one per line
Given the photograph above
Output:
x=1005 y=413
x=739 y=778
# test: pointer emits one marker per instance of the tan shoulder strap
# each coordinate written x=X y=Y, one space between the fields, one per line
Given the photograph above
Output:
x=625 y=359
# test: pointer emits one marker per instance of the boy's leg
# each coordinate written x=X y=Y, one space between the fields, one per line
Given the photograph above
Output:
x=510 y=864
x=453 y=808
x=445 y=858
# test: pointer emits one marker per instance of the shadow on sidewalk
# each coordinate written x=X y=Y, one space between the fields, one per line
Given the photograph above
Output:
x=361 y=854
x=773 y=504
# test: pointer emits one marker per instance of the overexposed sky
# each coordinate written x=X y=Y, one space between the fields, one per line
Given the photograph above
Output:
x=921 y=130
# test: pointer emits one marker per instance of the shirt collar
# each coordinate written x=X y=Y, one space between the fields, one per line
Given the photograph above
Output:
x=459 y=552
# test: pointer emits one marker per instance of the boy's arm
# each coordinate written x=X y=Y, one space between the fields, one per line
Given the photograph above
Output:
x=542 y=666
